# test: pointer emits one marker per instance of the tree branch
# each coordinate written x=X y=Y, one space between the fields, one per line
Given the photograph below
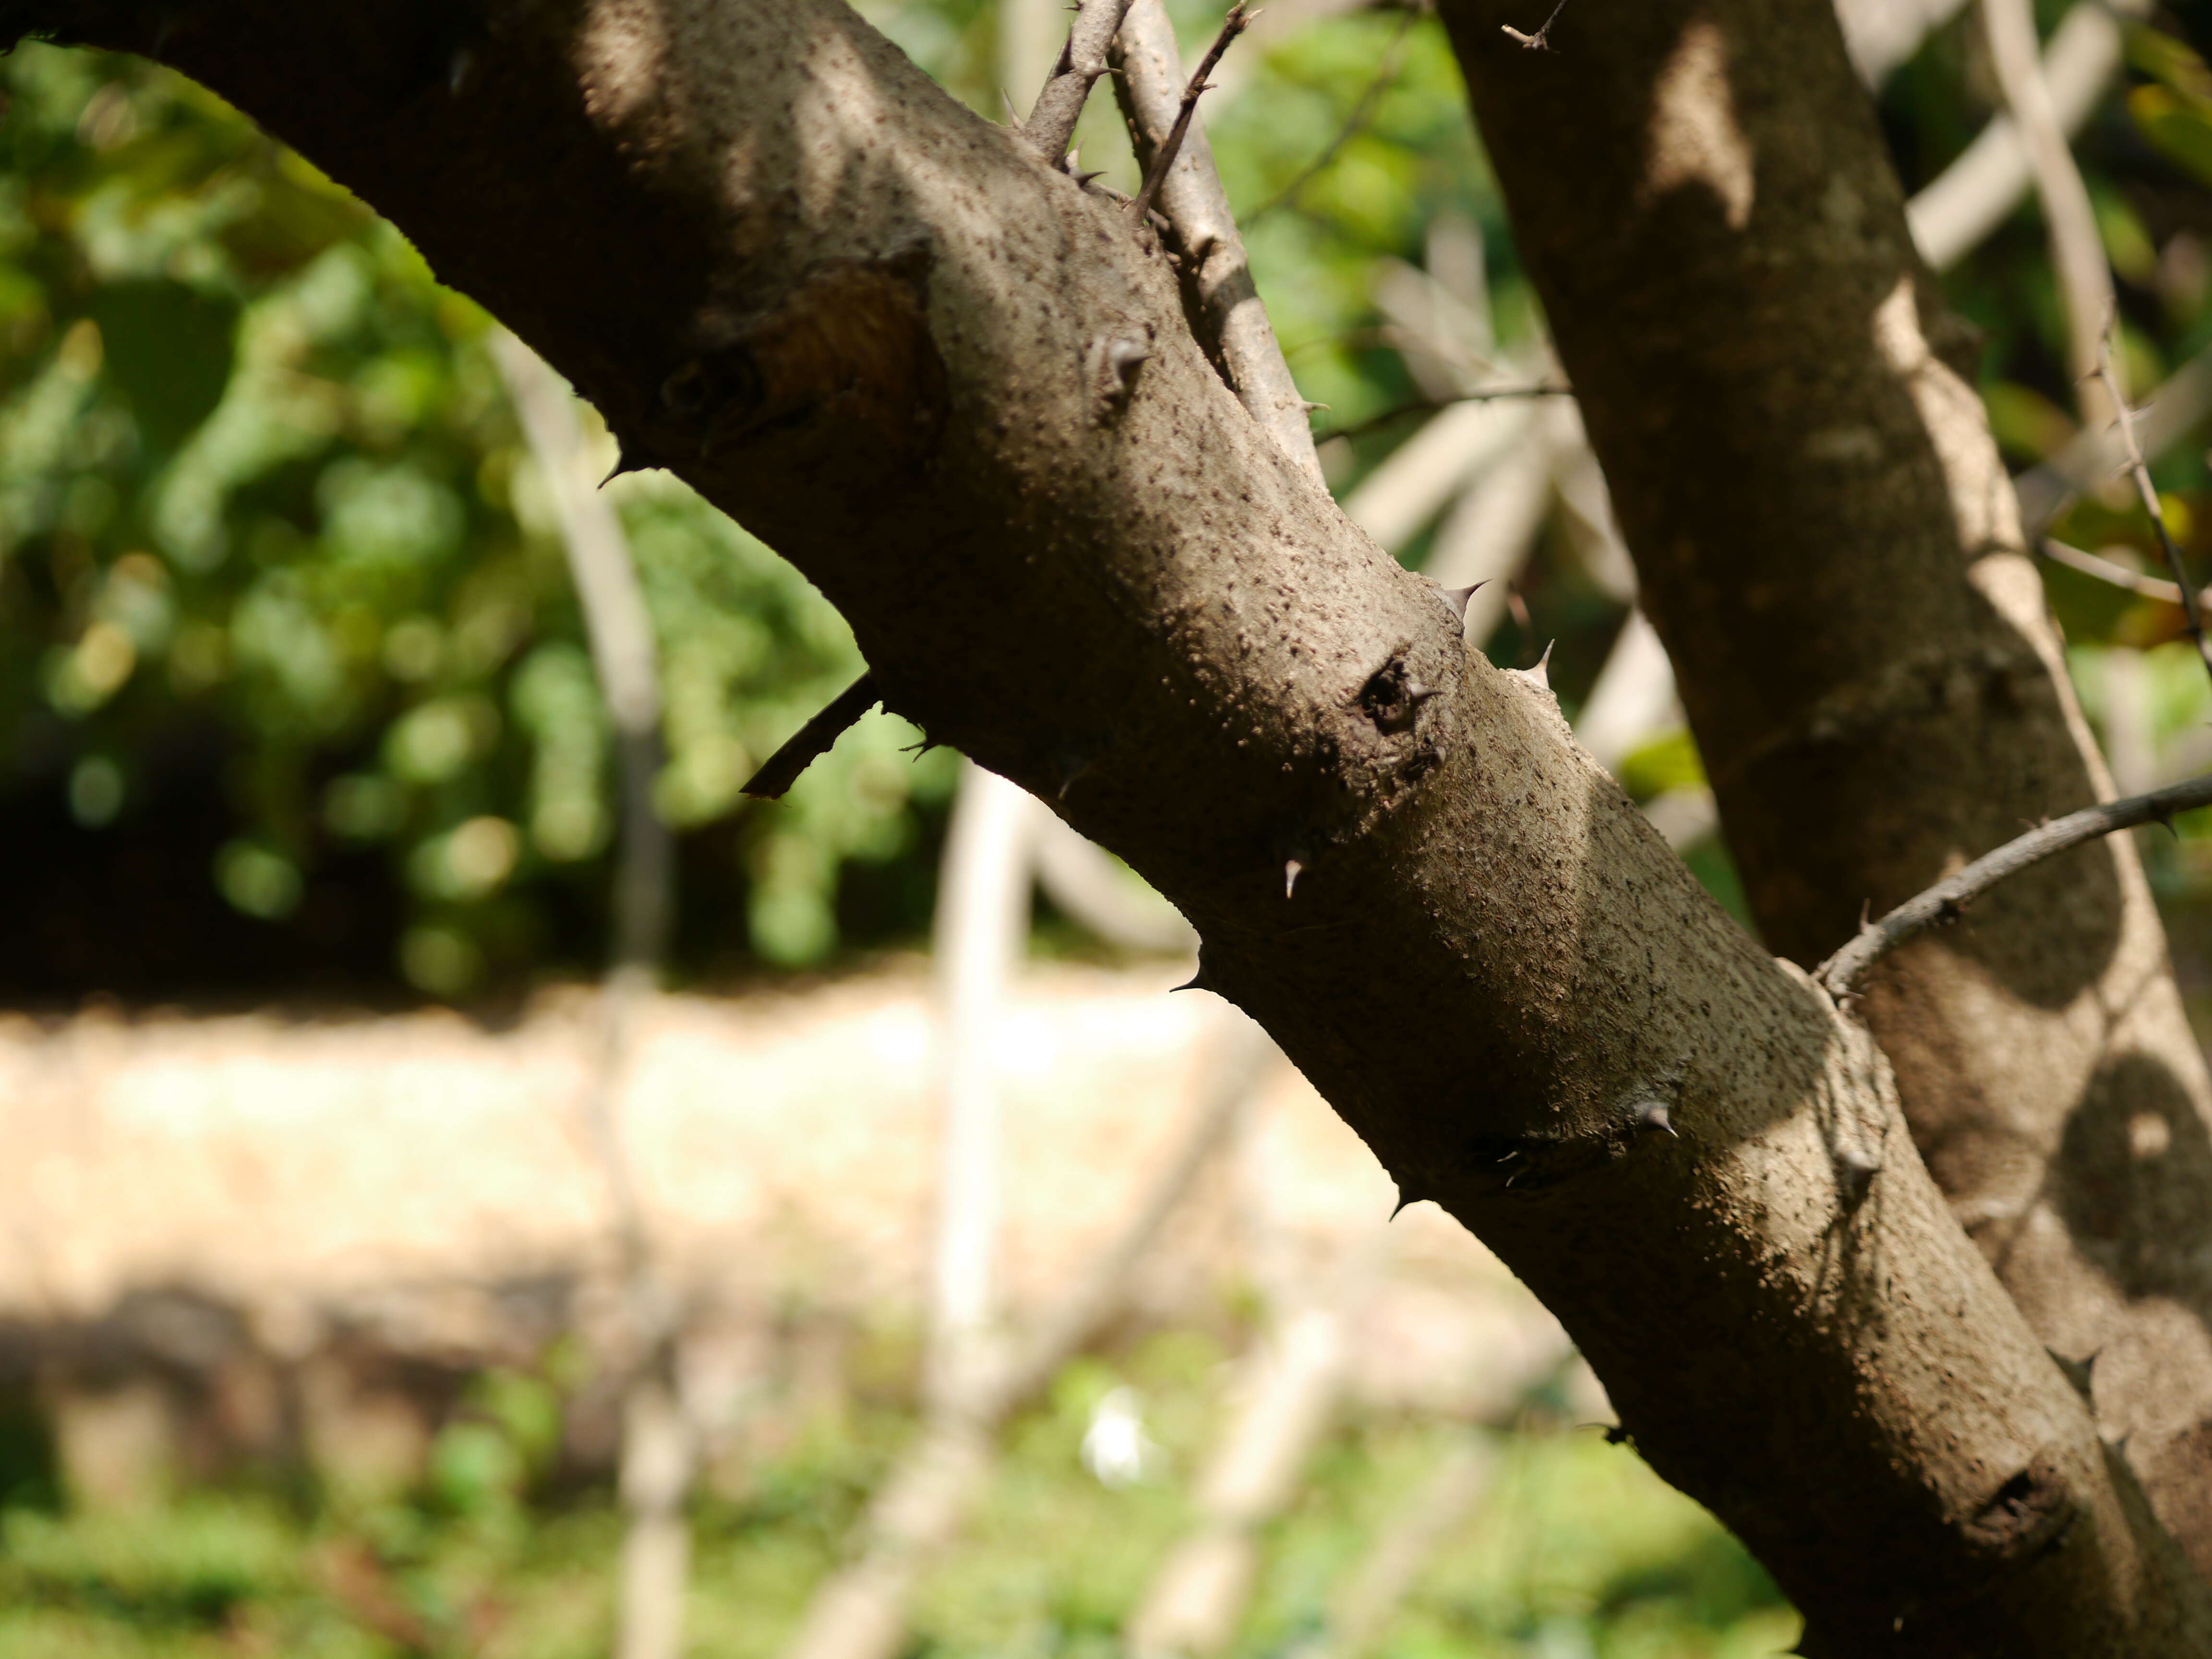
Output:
x=1957 y=210
x=813 y=740
x=1219 y=300
x=2104 y=570
x=1947 y=899
x=2140 y=472
x=1051 y=126
x=1172 y=146
x=1541 y=39
x=865 y=321
x=2077 y=250
x=1431 y=406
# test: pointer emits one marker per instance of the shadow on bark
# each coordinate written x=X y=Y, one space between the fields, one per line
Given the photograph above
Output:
x=2133 y=1164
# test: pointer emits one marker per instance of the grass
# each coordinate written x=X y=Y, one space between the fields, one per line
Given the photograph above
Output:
x=1577 y=1552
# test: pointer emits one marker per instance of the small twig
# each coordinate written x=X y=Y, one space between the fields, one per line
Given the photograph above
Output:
x=813 y=739
x=1362 y=112
x=1946 y=898
x=1541 y=39
x=1431 y=406
x=1231 y=26
x=2190 y=607
x=1051 y=126
x=2105 y=570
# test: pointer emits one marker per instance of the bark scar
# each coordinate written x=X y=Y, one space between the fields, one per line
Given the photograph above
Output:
x=847 y=348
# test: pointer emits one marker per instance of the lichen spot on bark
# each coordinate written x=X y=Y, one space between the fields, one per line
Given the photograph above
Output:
x=1696 y=138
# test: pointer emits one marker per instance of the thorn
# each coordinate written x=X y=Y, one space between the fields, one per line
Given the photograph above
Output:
x=1652 y=1117
x=1126 y=357
x=1854 y=1173
x=1291 y=870
x=623 y=463
x=1418 y=692
x=2077 y=1372
x=1405 y=1197
x=1197 y=981
x=1070 y=767
x=463 y=64
x=1083 y=178
x=1456 y=598
x=1013 y=115
x=1309 y=406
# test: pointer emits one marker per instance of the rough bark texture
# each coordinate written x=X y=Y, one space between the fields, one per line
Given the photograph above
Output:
x=879 y=330
x=1829 y=546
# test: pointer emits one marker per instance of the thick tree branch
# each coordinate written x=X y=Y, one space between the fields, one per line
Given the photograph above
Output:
x=1948 y=899
x=883 y=335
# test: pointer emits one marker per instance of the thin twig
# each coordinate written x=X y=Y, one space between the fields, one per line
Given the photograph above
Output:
x=2105 y=570
x=1541 y=39
x=812 y=740
x=1946 y=899
x=2190 y=609
x=1430 y=406
x=1051 y=126
x=1231 y=27
x=1362 y=112
x=2077 y=250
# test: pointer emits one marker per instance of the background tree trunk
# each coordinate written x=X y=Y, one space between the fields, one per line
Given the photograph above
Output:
x=1830 y=548
x=899 y=347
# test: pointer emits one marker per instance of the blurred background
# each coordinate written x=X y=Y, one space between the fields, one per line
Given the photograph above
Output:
x=477 y=1184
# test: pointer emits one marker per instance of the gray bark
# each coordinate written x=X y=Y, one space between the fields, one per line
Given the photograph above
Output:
x=878 y=330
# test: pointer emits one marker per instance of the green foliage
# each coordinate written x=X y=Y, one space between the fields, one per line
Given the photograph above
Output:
x=1578 y=1549
x=258 y=478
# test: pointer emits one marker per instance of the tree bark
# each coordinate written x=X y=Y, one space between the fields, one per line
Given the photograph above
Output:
x=1830 y=549
x=884 y=336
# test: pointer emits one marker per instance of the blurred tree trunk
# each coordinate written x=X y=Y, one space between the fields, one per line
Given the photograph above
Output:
x=1829 y=545
x=957 y=389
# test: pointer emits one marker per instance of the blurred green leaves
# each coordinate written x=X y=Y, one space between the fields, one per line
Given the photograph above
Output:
x=257 y=477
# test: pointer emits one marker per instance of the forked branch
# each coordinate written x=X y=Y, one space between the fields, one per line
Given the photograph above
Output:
x=1051 y=126
x=1240 y=16
x=1947 y=899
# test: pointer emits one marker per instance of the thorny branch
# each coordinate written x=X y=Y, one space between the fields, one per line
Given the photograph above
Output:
x=2141 y=470
x=1541 y=39
x=813 y=740
x=1947 y=898
x=1231 y=26
x=1051 y=126
x=1362 y=112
